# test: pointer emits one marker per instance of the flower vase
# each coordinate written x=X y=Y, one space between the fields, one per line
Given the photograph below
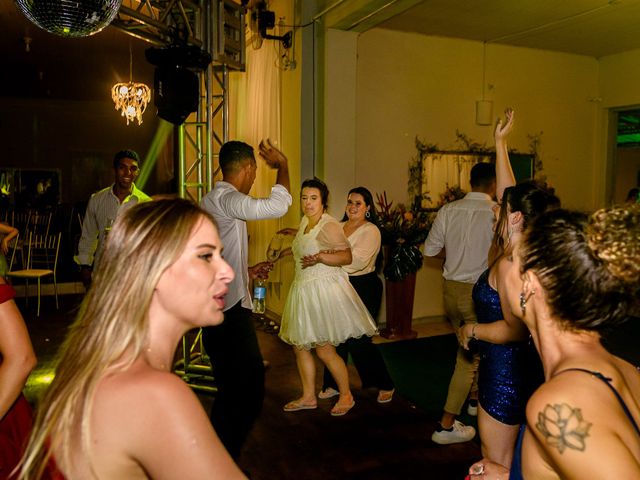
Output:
x=399 y=299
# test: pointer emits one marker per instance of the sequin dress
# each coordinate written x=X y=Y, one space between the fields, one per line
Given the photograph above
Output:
x=508 y=374
x=322 y=307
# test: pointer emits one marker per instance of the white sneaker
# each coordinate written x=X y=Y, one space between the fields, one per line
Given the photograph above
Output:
x=472 y=408
x=458 y=434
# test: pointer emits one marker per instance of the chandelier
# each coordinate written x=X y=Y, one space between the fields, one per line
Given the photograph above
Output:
x=131 y=98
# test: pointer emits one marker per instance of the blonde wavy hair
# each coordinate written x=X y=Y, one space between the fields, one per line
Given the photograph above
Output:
x=111 y=328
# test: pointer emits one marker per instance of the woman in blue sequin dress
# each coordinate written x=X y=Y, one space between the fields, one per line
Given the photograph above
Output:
x=509 y=366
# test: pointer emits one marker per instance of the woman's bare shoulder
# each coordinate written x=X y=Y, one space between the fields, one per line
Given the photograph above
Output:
x=577 y=421
x=152 y=419
x=144 y=387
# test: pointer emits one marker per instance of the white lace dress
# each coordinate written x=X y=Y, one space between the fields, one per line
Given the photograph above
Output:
x=322 y=306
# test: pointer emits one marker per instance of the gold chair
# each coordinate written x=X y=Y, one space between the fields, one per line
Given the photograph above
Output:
x=42 y=261
x=20 y=219
x=39 y=222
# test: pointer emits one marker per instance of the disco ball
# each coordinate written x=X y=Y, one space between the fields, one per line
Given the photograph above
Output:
x=70 y=18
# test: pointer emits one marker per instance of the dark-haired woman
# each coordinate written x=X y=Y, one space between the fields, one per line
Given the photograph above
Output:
x=322 y=309
x=360 y=227
x=509 y=369
x=573 y=277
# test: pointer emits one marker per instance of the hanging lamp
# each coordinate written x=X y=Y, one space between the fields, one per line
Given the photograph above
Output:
x=131 y=98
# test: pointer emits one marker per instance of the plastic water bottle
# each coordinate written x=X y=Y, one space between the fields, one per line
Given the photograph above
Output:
x=259 y=294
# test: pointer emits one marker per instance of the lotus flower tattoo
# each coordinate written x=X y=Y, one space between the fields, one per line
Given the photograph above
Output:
x=563 y=427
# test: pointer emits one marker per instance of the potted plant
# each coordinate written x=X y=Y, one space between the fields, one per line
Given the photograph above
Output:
x=403 y=231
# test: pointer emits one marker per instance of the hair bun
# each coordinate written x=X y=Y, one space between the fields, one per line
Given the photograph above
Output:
x=613 y=235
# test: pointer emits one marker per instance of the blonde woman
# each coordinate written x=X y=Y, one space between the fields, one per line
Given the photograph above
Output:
x=114 y=409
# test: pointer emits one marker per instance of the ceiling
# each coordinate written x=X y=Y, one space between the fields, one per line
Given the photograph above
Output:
x=586 y=27
x=85 y=68
x=38 y=64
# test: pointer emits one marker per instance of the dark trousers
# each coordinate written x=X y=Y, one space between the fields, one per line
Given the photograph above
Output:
x=366 y=356
x=239 y=375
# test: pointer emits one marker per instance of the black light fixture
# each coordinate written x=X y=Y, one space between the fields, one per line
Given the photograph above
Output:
x=176 y=85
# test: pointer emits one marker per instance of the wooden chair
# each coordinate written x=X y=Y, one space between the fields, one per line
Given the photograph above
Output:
x=42 y=261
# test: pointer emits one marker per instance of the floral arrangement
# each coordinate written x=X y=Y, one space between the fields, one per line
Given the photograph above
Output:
x=451 y=194
x=403 y=230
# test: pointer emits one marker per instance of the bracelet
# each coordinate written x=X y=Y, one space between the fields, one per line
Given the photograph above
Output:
x=473 y=331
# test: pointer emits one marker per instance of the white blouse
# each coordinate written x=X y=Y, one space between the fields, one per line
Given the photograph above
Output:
x=365 y=245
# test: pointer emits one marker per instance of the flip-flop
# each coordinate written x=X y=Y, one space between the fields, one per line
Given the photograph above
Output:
x=296 y=405
x=385 y=396
x=337 y=411
x=328 y=393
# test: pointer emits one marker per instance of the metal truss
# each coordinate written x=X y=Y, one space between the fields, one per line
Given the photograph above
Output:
x=218 y=27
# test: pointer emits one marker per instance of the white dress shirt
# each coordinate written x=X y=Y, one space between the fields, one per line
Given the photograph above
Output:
x=231 y=209
x=365 y=244
x=464 y=228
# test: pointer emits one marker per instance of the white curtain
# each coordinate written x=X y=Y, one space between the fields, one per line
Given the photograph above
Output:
x=255 y=107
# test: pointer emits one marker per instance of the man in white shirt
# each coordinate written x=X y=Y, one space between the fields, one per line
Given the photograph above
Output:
x=103 y=208
x=461 y=234
x=233 y=346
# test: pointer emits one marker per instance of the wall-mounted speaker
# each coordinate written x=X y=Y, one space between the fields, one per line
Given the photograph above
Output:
x=176 y=93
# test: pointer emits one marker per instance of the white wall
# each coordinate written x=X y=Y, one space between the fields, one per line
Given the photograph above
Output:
x=409 y=84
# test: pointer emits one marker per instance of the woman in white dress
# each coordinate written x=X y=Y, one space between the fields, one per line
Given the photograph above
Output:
x=322 y=309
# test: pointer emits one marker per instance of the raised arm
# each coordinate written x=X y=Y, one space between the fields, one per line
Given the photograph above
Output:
x=18 y=358
x=504 y=172
x=276 y=159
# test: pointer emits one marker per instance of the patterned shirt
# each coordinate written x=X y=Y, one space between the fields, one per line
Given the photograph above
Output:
x=102 y=210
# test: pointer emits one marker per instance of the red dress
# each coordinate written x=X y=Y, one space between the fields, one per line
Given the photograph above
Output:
x=15 y=426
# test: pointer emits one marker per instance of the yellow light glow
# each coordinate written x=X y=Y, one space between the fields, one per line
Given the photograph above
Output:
x=42 y=379
x=131 y=99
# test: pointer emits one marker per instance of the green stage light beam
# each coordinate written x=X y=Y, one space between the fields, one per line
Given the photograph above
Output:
x=159 y=140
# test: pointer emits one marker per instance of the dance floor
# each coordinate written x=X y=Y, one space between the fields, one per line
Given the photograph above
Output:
x=371 y=442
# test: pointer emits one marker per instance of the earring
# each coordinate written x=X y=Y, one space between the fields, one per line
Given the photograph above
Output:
x=523 y=301
x=367 y=214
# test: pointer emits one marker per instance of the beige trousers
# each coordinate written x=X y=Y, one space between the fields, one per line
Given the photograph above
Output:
x=458 y=306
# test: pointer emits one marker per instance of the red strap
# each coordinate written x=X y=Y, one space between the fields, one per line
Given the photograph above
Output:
x=6 y=292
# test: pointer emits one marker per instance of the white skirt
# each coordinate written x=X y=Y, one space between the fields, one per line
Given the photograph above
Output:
x=322 y=307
